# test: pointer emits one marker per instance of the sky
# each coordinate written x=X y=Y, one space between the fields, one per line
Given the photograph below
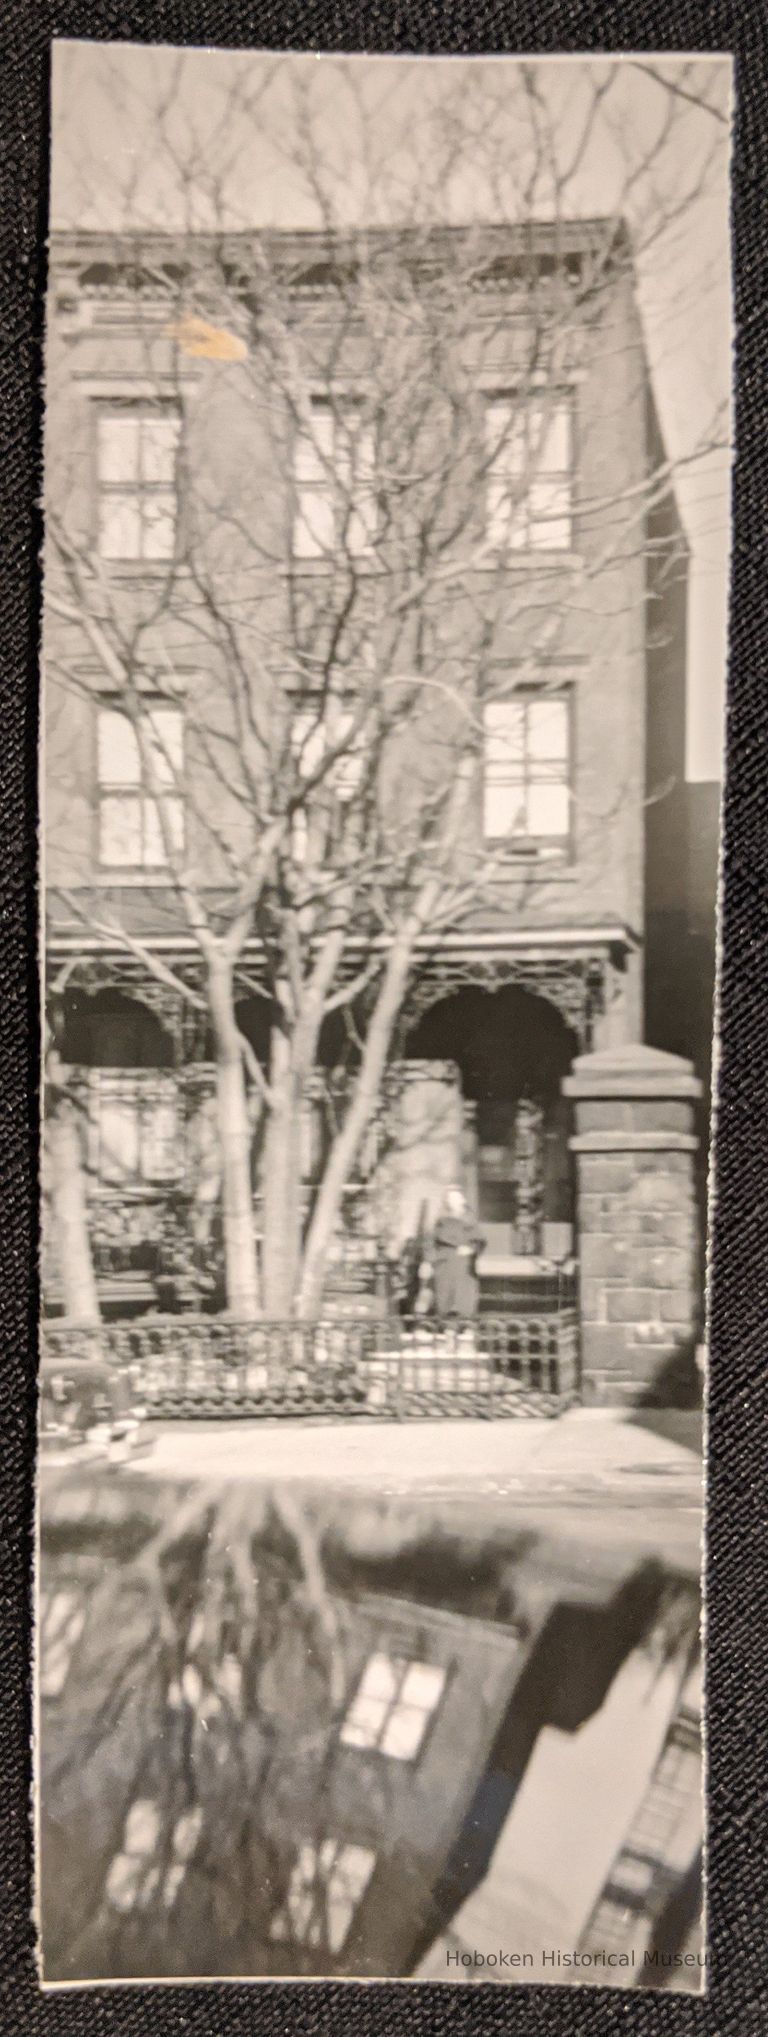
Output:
x=157 y=137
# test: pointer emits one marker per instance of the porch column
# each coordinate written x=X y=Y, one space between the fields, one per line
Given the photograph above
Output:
x=635 y=1149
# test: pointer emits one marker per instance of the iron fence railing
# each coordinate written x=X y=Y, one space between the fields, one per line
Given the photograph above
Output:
x=209 y=1366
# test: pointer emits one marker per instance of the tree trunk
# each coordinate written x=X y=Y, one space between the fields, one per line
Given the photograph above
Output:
x=240 y=1268
x=69 y=1213
x=282 y=1192
x=365 y=1095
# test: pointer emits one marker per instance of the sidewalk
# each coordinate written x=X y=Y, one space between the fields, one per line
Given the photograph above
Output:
x=584 y=1452
x=597 y=1476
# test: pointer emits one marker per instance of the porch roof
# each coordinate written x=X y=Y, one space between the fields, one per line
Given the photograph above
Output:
x=606 y=936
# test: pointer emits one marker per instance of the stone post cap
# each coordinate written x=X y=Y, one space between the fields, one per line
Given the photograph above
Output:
x=633 y=1070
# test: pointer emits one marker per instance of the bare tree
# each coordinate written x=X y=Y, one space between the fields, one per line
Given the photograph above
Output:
x=358 y=538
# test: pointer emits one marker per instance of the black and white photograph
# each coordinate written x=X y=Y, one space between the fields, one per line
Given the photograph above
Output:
x=384 y=644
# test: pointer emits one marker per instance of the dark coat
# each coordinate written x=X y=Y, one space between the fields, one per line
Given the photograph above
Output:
x=457 y=1244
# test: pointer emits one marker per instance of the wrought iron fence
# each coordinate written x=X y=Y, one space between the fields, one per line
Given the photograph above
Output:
x=210 y=1366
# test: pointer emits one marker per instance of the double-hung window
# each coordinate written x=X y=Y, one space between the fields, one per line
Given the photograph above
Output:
x=529 y=486
x=526 y=773
x=333 y=477
x=392 y=1706
x=313 y=735
x=150 y=1868
x=140 y=762
x=136 y=461
x=326 y=1886
x=135 y=1132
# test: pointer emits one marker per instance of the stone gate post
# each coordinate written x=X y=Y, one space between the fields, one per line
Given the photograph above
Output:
x=634 y=1146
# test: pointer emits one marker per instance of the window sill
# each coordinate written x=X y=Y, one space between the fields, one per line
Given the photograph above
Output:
x=137 y=570
x=362 y=562
x=538 y=867
x=532 y=561
x=132 y=879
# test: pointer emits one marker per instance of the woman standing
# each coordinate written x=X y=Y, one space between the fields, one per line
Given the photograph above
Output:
x=457 y=1247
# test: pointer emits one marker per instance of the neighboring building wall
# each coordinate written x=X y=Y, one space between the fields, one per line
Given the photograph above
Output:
x=682 y=820
x=651 y=1905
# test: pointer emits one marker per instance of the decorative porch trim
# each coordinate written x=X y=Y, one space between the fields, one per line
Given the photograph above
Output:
x=577 y=985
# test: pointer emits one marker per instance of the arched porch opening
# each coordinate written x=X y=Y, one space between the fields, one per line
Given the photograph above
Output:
x=124 y=1075
x=511 y=1049
x=106 y=1029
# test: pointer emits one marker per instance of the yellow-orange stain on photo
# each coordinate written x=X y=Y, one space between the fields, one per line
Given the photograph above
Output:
x=207 y=342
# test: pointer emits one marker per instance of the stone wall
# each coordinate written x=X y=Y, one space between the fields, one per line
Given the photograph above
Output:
x=635 y=1150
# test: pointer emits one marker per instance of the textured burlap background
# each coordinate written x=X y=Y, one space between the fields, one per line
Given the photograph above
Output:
x=738 y=1560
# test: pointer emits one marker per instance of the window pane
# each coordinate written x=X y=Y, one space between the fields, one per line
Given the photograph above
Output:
x=363 y=455
x=159 y=525
x=357 y=489
x=186 y=1833
x=165 y=738
x=159 y=441
x=504 y=730
x=307 y=741
x=507 y=516
x=361 y=524
x=299 y=839
x=118 y=749
x=356 y=1864
x=505 y=435
x=120 y=833
x=363 y=1723
x=172 y=1883
x=381 y=1678
x=347 y=1884
x=348 y=769
x=550 y=507
x=163 y=829
x=503 y=811
x=123 y=1882
x=548 y=810
x=551 y=439
x=142 y=1827
x=313 y=536
x=548 y=729
x=347 y=775
x=300 y=1910
x=313 y=451
x=118 y=446
x=119 y=527
x=404 y=1732
x=423 y=1685
x=340 y=1913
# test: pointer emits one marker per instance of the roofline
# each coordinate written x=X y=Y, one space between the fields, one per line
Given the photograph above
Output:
x=531 y=942
x=568 y=236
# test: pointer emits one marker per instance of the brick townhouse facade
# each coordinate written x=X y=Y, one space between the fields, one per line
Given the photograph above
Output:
x=546 y=967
